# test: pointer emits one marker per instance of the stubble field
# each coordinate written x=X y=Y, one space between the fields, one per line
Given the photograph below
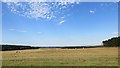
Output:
x=102 y=56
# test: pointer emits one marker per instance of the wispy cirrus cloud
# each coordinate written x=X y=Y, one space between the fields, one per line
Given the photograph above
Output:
x=71 y=1
x=41 y=10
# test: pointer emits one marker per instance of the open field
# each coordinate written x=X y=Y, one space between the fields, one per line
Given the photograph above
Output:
x=62 y=57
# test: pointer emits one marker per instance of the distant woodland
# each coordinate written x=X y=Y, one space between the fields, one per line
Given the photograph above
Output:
x=16 y=47
x=113 y=42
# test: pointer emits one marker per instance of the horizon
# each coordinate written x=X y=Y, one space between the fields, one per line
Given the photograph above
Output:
x=49 y=45
x=84 y=23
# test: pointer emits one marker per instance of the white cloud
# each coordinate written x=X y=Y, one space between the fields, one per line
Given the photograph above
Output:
x=92 y=11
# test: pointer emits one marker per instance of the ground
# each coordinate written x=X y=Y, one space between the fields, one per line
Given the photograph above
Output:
x=103 y=56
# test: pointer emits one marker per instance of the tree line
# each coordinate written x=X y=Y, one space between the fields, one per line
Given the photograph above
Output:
x=113 y=42
x=16 y=47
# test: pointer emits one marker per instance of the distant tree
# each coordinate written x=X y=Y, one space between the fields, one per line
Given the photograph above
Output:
x=113 y=42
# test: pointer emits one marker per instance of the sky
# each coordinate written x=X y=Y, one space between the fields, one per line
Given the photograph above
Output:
x=59 y=24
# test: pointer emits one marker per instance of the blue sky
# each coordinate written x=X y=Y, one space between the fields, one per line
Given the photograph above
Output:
x=86 y=23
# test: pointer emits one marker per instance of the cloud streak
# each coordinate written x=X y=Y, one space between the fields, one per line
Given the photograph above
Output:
x=61 y=22
x=22 y=31
x=12 y=29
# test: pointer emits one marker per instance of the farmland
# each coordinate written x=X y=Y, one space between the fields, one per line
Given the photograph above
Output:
x=101 y=56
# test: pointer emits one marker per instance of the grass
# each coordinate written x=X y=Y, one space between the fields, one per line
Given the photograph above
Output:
x=62 y=57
